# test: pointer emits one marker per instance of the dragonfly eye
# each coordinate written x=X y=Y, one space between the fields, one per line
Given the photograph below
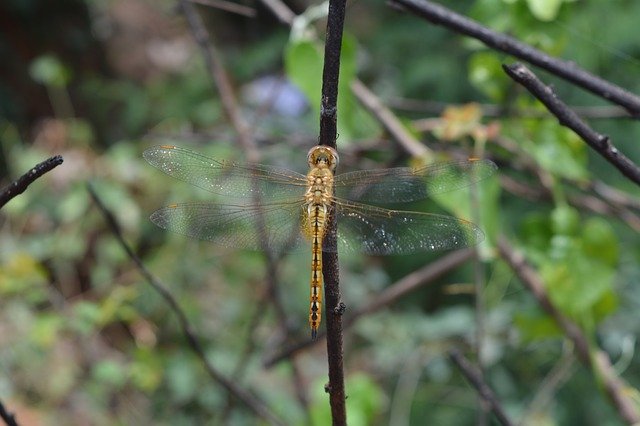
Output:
x=323 y=155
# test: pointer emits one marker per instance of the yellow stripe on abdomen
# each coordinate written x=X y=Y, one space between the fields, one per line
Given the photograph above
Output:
x=315 y=299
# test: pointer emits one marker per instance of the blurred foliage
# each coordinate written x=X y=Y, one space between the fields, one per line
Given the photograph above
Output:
x=83 y=338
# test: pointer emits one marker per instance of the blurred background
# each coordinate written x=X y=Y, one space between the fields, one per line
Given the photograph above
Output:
x=84 y=339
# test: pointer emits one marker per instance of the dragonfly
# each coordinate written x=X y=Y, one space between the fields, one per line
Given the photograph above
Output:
x=271 y=208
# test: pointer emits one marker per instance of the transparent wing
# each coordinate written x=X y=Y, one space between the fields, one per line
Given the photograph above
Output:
x=226 y=177
x=405 y=184
x=236 y=226
x=378 y=231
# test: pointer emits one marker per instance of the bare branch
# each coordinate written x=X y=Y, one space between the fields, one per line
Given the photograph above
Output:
x=330 y=269
x=9 y=418
x=388 y=119
x=569 y=71
x=20 y=185
x=597 y=360
x=600 y=143
x=475 y=378
x=257 y=406
x=228 y=6
x=414 y=281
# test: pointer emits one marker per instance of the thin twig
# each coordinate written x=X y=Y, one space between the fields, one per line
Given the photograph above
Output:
x=228 y=6
x=600 y=143
x=8 y=417
x=409 y=283
x=600 y=112
x=334 y=307
x=569 y=71
x=388 y=119
x=474 y=377
x=20 y=185
x=222 y=83
x=247 y=399
x=597 y=360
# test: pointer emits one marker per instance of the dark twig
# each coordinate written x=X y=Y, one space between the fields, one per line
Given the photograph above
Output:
x=247 y=399
x=330 y=269
x=222 y=83
x=388 y=119
x=8 y=417
x=429 y=107
x=440 y=15
x=20 y=185
x=475 y=378
x=414 y=281
x=600 y=143
x=597 y=360
x=228 y=6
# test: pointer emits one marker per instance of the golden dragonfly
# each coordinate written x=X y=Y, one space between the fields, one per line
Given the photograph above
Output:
x=277 y=209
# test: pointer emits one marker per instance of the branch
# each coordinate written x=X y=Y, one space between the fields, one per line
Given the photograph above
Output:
x=388 y=119
x=9 y=418
x=604 y=112
x=228 y=6
x=20 y=185
x=600 y=143
x=597 y=360
x=334 y=307
x=257 y=406
x=440 y=15
x=414 y=281
x=474 y=377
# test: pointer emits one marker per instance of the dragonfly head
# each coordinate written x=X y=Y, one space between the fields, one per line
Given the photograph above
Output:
x=323 y=156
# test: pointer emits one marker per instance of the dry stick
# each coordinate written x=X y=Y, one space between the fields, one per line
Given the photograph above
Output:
x=589 y=202
x=246 y=398
x=611 y=202
x=597 y=360
x=228 y=6
x=388 y=119
x=409 y=283
x=8 y=417
x=231 y=107
x=600 y=143
x=334 y=306
x=427 y=107
x=475 y=378
x=440 y=15
x=20 y=185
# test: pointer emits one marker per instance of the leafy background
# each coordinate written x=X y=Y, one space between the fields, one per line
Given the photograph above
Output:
x=83 y=339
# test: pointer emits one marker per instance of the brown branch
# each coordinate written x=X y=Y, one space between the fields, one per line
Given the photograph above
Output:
x=595 y=359
x=257 y=406
x=18 y=186
x=440 y=15
x=600 y=143
x=9 y=418
x=228 y=6
x=474 y=377
x=334 y=307
x=414 y=281
x=221 y=81
x=436 y=108
x=388 y=119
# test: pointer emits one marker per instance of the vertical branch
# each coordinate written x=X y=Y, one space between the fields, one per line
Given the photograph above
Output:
x=328 y=133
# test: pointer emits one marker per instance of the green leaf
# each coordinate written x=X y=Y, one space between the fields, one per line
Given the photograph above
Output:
x=578 y=283
x=486 y=75
x=304 y=63
x=50 y=71
x=544 y=10
x=600 y=241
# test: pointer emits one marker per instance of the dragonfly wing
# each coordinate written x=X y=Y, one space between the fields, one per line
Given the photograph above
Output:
x=235 y=226
x=404 y=184
x=226 y=177
x=377 y=231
